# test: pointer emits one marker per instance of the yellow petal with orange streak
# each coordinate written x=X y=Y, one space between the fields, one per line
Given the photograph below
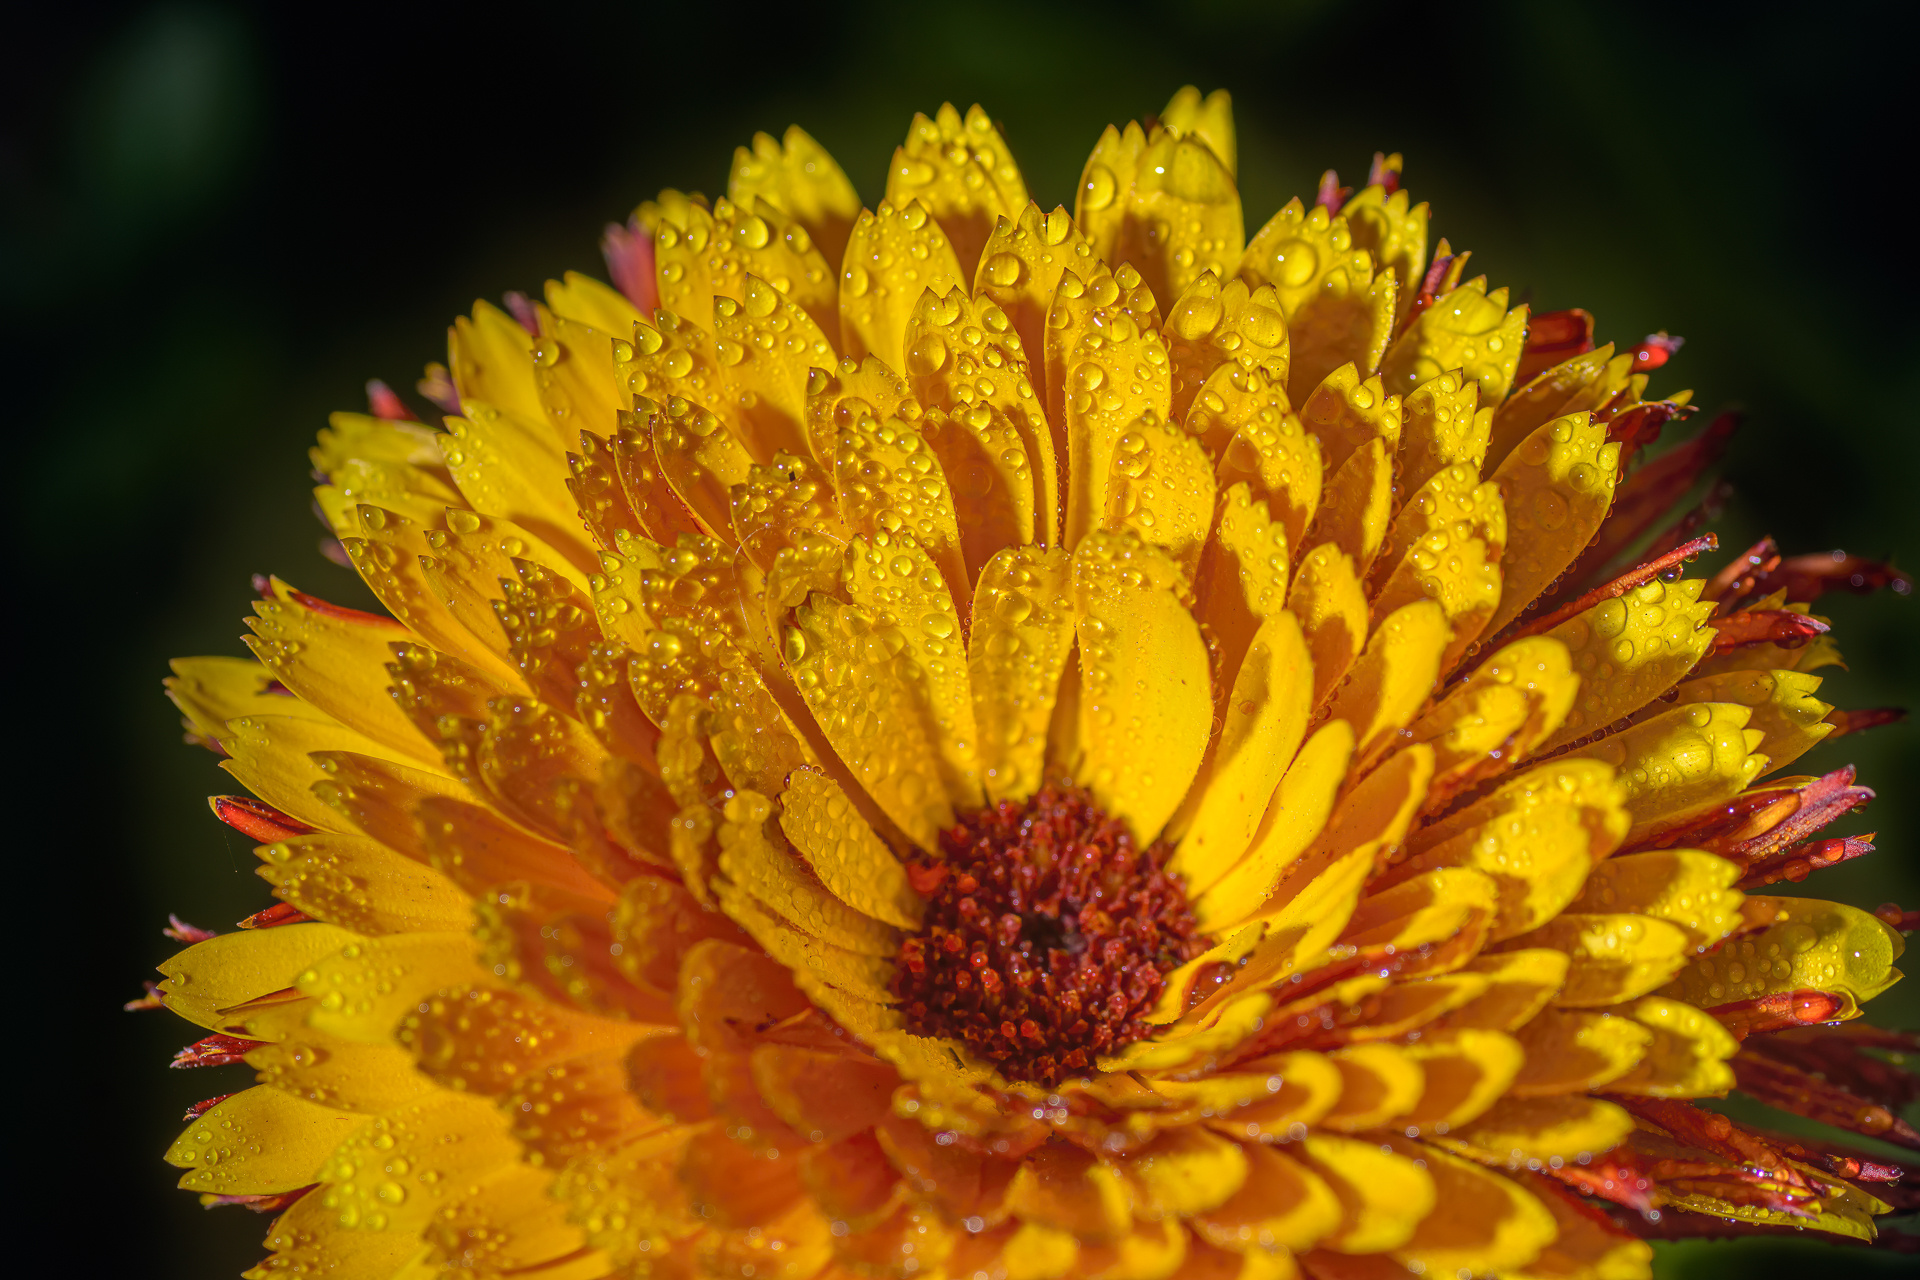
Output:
x=1574 y=1050
x=852 y=862
x=859 y=981
x=1444 y=427
x=1062 y=1187
x=768 y=343
x=1557 y=485
x=1467 y=329
x=390 y=552
x=1332 y=607
x=210 y=691
x=269 y=756
x=1383 y=1194
x=209 y=978
x=1466 y=1072
x=1309 y=1086
x=892 y=257
x=1427 y=908
x=1688 y=887
x=258 y=1142
x=961 y=170
x=514 y=468
x=1233 y=1022
x=1183 y=1172
x=583 y=299
x=1585 y=1249
x=1632 y=649
x=1568 y=1126
x=491 y=359
x=1681 y=763
x=1298 y=816
x=1107 y=368
x=1509 y=704
x=509 y=1222
x=1036 y=1252
x=1211 y=324
x=1556 y=392
x=1791 y=720
x=1266 y=718
x=1346 y=412
x=1687 y=1057
x=1358 y=501
x=1145 y=702
x=363 y=885
x=1022 y=632
x=336 y=658
x=1281 y=1204
x=1480 y=1222
x=797 y=175
x=1392 y=678
x=1379 y=1081
x=445 y=1143
x=1615 y=956
x=701 y=255
x=1244 y=417
x=857 y=681
x=324 y=1069
x=1519 y=984
x=361 y=991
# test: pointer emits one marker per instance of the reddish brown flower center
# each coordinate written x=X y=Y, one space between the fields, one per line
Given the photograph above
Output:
x=1047 y=937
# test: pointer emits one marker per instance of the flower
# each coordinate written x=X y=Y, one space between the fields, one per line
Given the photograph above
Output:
x=1079 y=745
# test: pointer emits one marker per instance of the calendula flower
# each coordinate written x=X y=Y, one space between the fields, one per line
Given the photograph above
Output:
x=960 y=741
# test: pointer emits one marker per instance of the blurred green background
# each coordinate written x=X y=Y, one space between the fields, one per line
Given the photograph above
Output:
x=220 y=219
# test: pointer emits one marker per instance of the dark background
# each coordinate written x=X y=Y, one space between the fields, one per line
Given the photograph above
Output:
x=220 y=219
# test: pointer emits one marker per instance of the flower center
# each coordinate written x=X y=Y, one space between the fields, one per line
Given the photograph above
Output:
x=1047 y=937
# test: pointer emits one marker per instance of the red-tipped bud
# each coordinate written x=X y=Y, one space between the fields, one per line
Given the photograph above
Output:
x=1655 y=351
x=215 y=1051
x=278 y=914
x=255 y=820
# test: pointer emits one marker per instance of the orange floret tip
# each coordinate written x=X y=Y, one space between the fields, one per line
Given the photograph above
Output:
x=256 y=820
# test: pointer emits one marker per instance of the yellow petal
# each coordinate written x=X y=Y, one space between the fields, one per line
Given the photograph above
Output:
x=1821 y=946
x=258 y=1142
x=1392 y=677
x=1681 y=762
x=1615 y=957
x=1584 y=1247
x=363 y=990
x=890 y=481
x=1571 y=1051
x=767 y=344
x=1210 y=119
x=1246 y=418
x=1692 y=889
x=1184 y=1172
x=1299 y=251
x=209 y=978
x=797 y=175
x=588 y=301
x=1211 y=325
x=1557 y=486
x=1022 y=633
x=1467 y=329
x=892 y=258
x=1348 y=323
x=388 y=550
x=1785 y=712
x=1161 y=487
x=491 y=359
x=1266 y=719
x=1380 y=1081
x=1182 y=214
x=1519 y=985
x=1383 y=1194
x=309 y=1235
x=396 y=1172
x=1107 y=368
x=962 y=171
x=319 y=1068
x=1061 y=1187
x=1553 y=394
x=377 y=797
x=1296 y=819
x=361 y=884
x=1444 y=428
x=1466 y=1072
x=706 y=255
x=1359 y=498
x=1687 y=1056
x=575 y=375
x=1346 y=412
x=1145 y=703
x=211 y=691
x=814 y=960
x=1630 y=650
x=1019 y=270
x=1393 y=230
x=1332 y=608
x=1282 y=1203
x=1481 y=1222
x=1569 y=1126
x=700 y=459
x=1427 y=908
x=852 y=862
x=513 y=468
